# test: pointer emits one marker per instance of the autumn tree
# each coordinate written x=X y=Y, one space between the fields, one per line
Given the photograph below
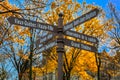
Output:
x=18 y=48
x=114 y=35
x=5 y=69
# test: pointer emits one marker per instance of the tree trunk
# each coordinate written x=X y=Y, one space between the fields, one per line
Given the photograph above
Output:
x=31 y=53
x=20 y=76
x=109 y=77
x=66 y=76
x=99 y=65
x=98 y=72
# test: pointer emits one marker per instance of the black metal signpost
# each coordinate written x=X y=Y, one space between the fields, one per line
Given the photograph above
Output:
x=44 y=43
x=60 y=49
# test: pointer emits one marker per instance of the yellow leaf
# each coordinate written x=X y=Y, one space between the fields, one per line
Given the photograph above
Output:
x=53 y=5
x=17 y=28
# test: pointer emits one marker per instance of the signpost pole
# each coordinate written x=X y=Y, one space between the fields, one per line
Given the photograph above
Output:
x=98 y=62
x=31 y=53
x=60 y=49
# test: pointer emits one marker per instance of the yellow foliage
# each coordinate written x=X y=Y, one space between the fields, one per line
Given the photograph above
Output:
x=20 y=41
x=24 y=32
x=53 y=5
x=38 y=71
x=17 y=28
x=65 y=7
x=77 y=6
x=23 y=56
x=85 y=76
x=85 y=59
x=4 y=7
x=91 y=6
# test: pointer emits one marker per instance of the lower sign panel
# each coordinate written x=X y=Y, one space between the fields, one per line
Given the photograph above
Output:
x=47 y=46
x=80 y=45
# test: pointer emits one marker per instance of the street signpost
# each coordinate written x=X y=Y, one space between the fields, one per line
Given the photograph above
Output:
x=93 y=13
x=80 y=45
x=81 y=36
x=32 y=24
x=43 y=43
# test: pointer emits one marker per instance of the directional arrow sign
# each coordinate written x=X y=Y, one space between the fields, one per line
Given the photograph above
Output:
x=32 y=24
x=80 y=45
x=81 y=36
x=47 y=46
x=93 y=13
x=44 y=39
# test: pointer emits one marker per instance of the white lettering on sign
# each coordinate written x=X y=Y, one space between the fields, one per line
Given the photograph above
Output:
x=17 y=21
x=31 y=24
x=75 y=44
x=81 y=36
x=50 y=28
x=88 y=16
x=26 y=23
x=47 y=46
x=68 y=26
x=80 y=45
x=49 y=36
x=50 y=45
x=92 y=39
x=45 y=27
x=76 y=22
x=85 y=47
x=84 y=18
x=73 y=34
x=81 y=19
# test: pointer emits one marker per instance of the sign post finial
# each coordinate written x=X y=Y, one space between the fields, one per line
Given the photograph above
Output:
x=61 y=14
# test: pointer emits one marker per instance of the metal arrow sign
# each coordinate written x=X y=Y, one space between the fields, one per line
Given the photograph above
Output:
x=80 y=45
x=46 y=46
x=93 y=13
x=81 y=36
x=44 y=39
x=32 y=24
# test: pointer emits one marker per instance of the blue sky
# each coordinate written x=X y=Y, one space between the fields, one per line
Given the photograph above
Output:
x=102 y=3
x=15 y=1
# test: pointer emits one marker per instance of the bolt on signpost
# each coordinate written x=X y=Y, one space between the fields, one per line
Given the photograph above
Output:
x=40 y=43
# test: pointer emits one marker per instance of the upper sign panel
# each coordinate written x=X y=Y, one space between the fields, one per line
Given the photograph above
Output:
x=93 y=13
x=32 y=24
